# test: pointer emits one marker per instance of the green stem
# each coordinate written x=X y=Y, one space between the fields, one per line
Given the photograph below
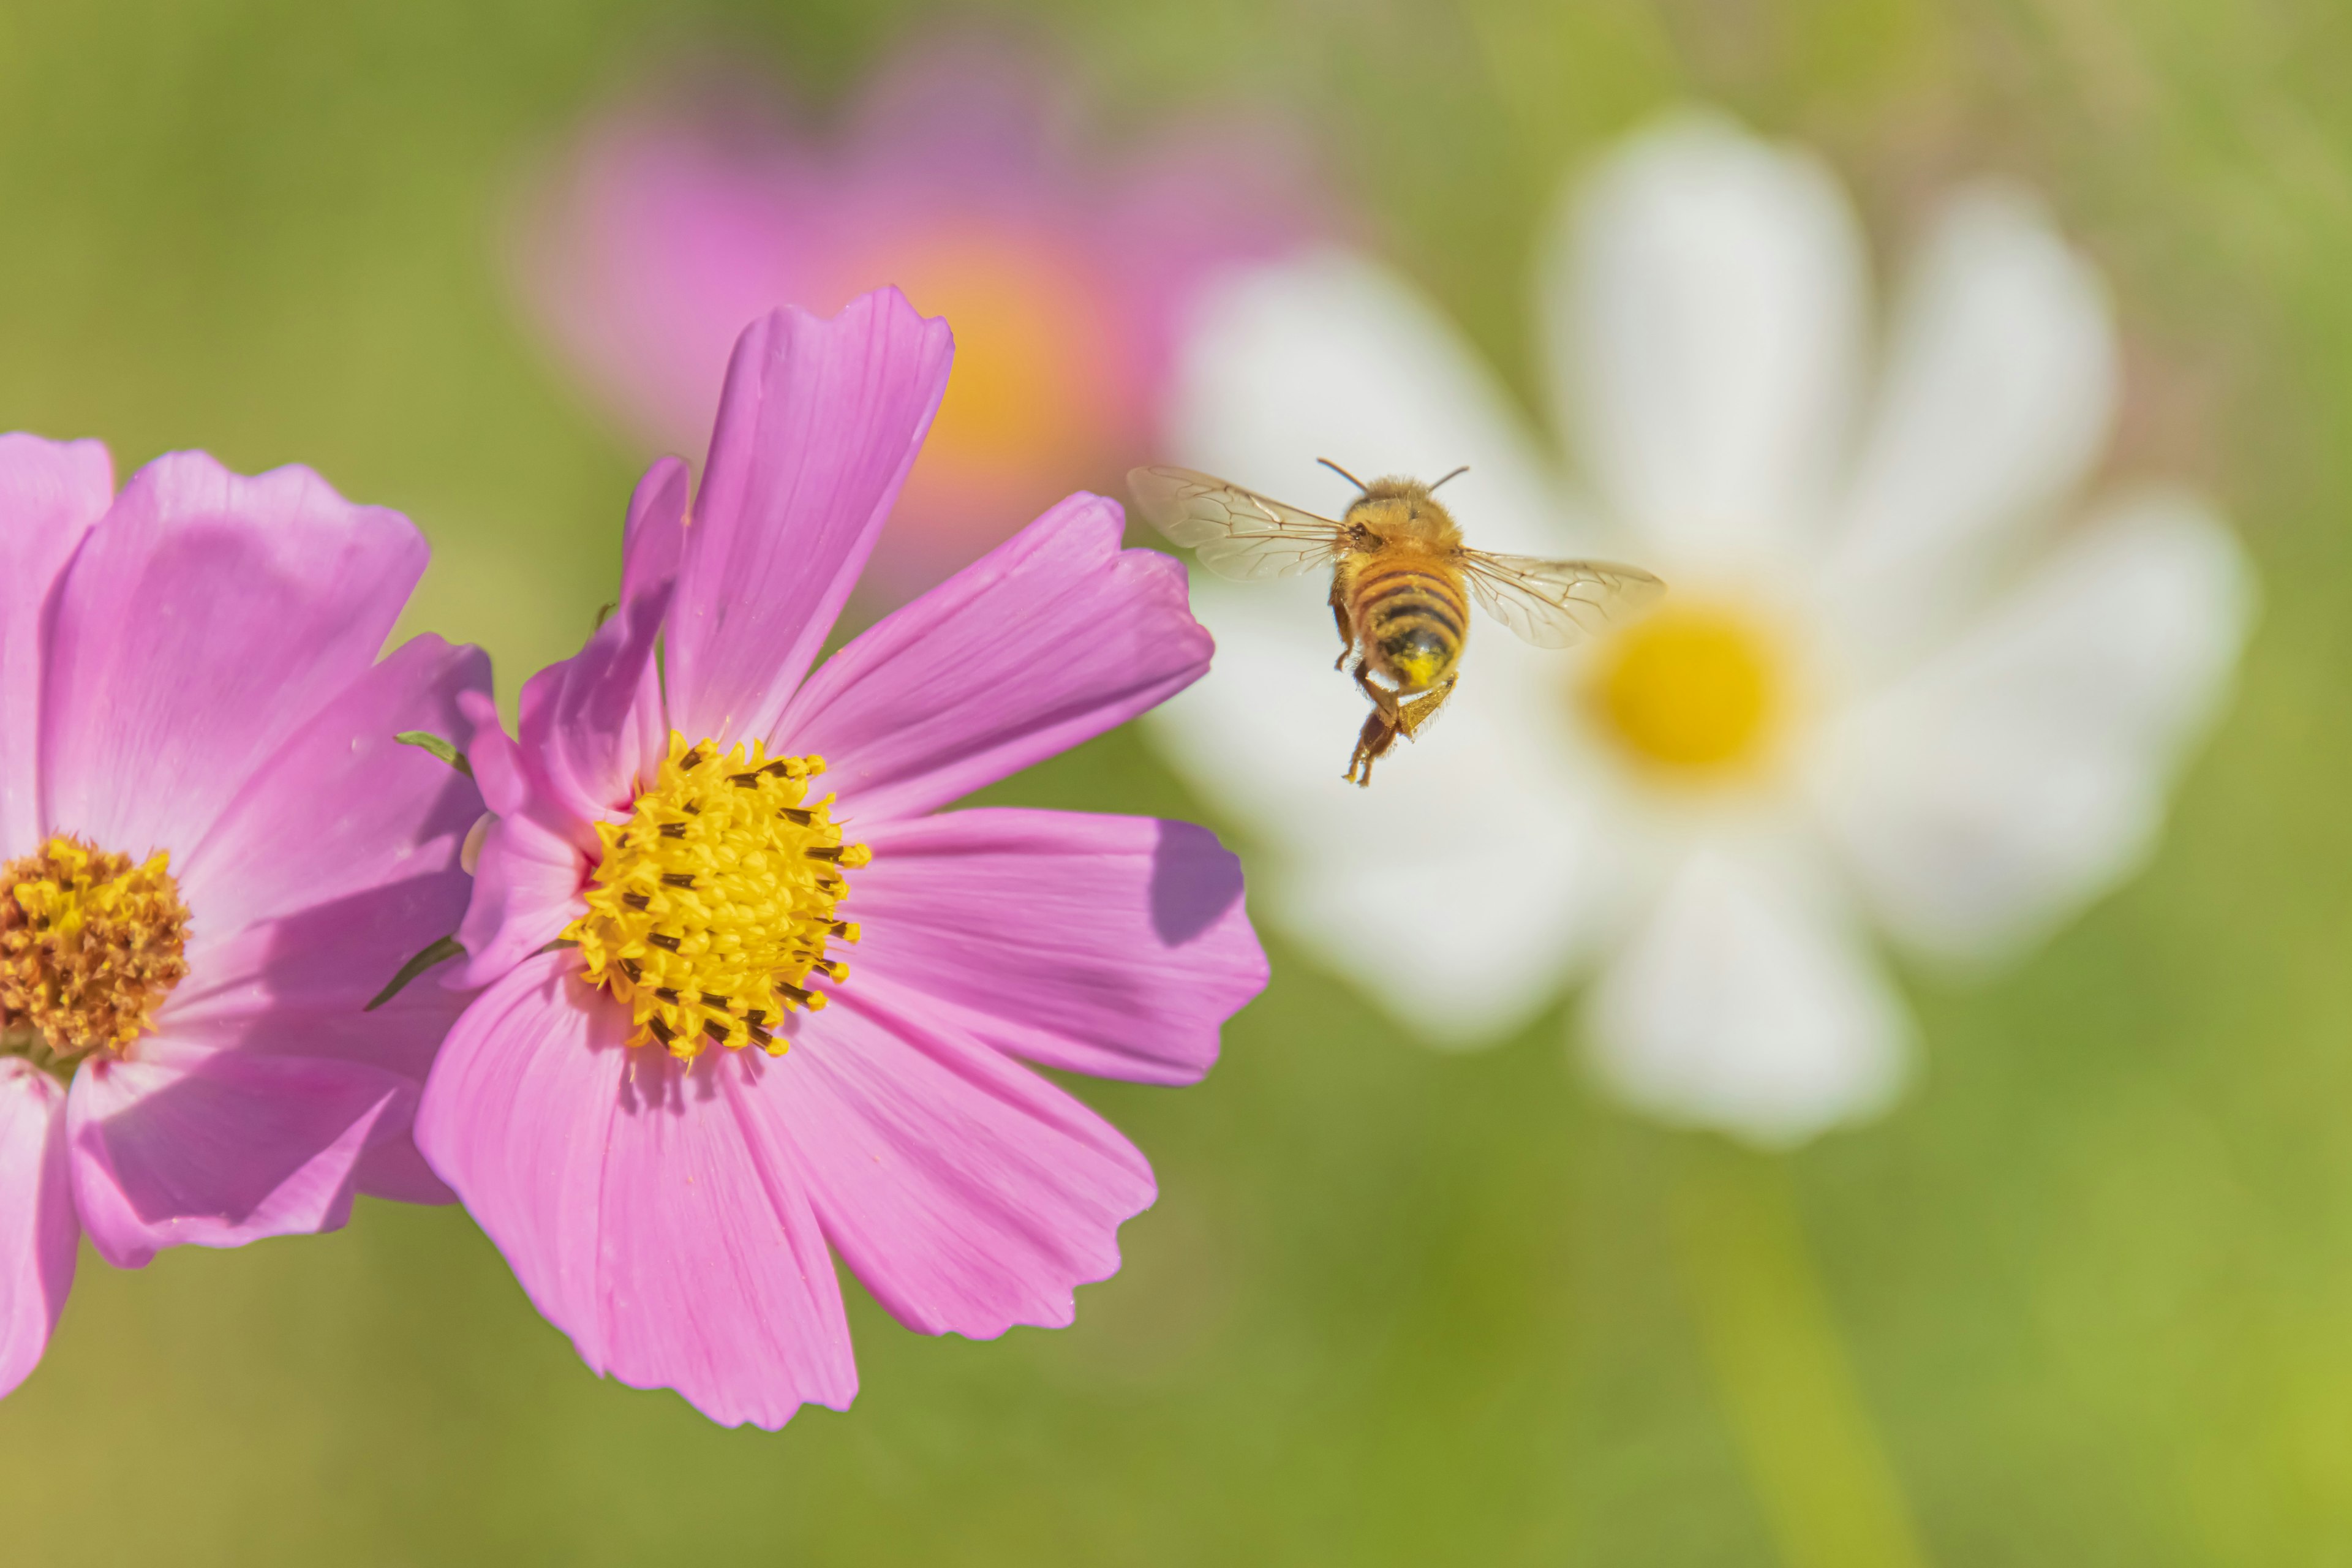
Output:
x=1829 y=1493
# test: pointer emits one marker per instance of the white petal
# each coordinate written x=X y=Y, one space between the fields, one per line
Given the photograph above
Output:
x=1745 y=1002
x=1999 y=390
x=1704 y=295
x=2023 y=770
x=1331 y=356
x=1461 y=888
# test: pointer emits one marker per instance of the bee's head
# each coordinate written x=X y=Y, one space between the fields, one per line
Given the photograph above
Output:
x=1398 y=508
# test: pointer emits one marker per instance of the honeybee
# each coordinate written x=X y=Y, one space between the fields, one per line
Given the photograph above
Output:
x=1399 y=568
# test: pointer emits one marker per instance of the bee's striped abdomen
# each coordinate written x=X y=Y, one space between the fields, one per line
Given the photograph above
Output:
x=1412 y=616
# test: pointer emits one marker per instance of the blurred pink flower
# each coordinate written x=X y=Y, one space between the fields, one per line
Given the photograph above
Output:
x=962 y=180
x=671 y=1209
x=213 y=853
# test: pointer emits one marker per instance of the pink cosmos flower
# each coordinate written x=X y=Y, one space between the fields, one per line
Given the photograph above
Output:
x=665 y=1192
x=213 y=853
x=965 y=179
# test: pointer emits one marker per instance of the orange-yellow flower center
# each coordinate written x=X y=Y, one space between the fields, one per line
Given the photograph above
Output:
x=90 y=946
x=715 y=900
x=1027 y=393
x=1695 y=689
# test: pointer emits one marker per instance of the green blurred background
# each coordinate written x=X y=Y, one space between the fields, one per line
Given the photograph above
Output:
x=2093 y=1280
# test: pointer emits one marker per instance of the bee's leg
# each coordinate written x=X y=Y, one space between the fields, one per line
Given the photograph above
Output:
x=1378 y=736
x=1346 y=631
x=1379 y=730
x=1422 y=710
x=1382 y=697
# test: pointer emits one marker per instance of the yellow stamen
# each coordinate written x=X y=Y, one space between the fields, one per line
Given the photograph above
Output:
x=1695 y=689
x=713 y=902
x=90 y=946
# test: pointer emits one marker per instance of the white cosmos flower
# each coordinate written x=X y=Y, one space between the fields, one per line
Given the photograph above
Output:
x=1904 y=680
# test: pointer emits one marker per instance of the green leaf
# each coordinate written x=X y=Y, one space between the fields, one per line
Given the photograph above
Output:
x=439 y=747
x=441 y=951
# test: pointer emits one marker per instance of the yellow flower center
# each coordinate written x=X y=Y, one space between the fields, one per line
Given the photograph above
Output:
x=1695 y=689
x=714 y=901
x=90 y=946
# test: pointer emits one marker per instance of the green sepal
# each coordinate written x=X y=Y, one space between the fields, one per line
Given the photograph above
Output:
x=439 y=747
x=443 y=949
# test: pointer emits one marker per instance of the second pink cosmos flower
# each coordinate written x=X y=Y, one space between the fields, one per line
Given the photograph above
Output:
x=787 y=1014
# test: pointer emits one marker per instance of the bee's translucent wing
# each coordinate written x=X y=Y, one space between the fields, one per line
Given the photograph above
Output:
x=1553 y=604
x=1233 y=532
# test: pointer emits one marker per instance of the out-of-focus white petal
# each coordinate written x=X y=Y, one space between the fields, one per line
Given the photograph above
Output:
x=1331 y=356
x=1999 y=395
x=1747 y=1003
x=2023 y=770
x=1461 y=888
x=1703 y=301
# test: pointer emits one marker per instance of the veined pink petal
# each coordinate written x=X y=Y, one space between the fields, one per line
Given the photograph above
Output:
x=394 y=1168
x=516 y=1118
x=818 y=425
x=593 y=726
x=178 y=1146
x=534 y=859
x=715 y=1279
x=206 y=618
x=38 y=1233
x=585 y=721
x=337 y=866
x=588 y=722
x=1052 y=637
x=641 y=1219
x=654 y=538
x=50 y=494
x=526 y=891
x=964 y=1191
x=345 y=828
x=1109 y=945
x=500 y=770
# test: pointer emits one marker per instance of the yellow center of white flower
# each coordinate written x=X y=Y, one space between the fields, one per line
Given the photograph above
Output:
x=715 y=900
x=90 y=946
x=1696 y=690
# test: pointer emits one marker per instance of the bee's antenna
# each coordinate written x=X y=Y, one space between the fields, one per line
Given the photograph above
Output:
x=1343 y=473
x=1455 y=475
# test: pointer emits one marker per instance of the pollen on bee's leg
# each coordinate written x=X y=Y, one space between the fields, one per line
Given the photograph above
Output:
x=743 y=875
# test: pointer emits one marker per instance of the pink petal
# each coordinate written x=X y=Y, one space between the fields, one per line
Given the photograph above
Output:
x=641 y=1212
x=654 y=539
x=818 y=425
x=1054 y=637
x=176 y=1146
x=336 y=867
x=38 y=1234
x=50 y=493
x=207 y=616
x=516 y=1118
x=533 y=864
x=965 y=1192
x=1109 y=945
x=500 y=770
x=340 y=860
x=716 y=1280
x=394 y=1169
x=593 y=726
x=526 y=891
